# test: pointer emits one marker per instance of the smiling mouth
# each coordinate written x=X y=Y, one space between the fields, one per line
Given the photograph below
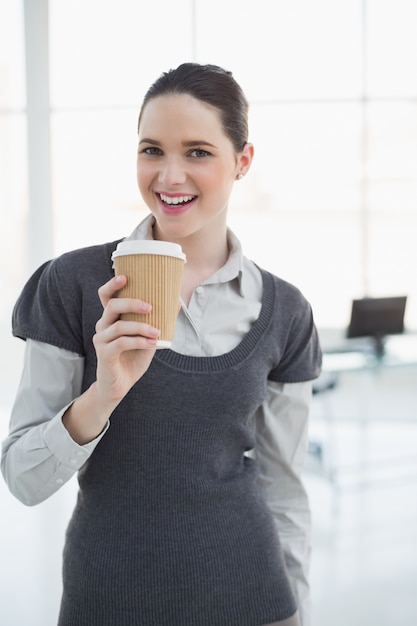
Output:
x=176 y=200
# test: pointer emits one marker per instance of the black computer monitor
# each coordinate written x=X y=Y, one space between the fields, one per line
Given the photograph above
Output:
x=376 y=318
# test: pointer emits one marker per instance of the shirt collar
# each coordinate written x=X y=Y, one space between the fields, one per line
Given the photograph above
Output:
x=144 y=230
x=232 y=270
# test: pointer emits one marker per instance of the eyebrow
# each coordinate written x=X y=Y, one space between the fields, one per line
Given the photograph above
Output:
x=151 y=141
x=200 y=142
x=186 y=144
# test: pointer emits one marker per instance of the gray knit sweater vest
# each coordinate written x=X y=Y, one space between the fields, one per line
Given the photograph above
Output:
x=170 y=528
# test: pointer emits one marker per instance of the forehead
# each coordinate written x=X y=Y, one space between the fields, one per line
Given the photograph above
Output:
x=179 y=112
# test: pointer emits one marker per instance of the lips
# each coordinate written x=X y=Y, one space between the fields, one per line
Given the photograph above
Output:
x=175 y=200
x=175 y=204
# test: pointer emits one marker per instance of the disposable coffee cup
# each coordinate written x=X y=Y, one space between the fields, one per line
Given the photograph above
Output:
x=154 y=272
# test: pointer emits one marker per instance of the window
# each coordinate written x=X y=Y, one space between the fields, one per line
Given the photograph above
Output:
x=13 y=153
x=330 y=202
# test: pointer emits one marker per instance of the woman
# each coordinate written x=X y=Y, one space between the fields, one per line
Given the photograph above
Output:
x=174 y=523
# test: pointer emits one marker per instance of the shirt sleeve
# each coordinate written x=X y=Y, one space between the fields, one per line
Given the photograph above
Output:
x=281 y=432
x=39 y=456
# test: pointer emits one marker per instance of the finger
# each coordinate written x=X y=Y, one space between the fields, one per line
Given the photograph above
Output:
x=112 y=343
x=117 y=306
x=114 y=348
x=122 y=328
x=110 y=289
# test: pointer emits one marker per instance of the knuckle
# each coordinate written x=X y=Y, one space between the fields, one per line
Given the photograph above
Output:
x=119 y=328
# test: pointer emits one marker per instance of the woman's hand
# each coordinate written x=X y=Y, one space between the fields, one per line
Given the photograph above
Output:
x=124 y=352
x=124 y=348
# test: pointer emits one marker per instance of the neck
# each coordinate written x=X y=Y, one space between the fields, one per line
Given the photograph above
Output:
x=202 y=262
x=206 y=250
x=206 y=256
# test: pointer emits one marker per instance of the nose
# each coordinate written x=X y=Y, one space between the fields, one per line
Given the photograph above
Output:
x=172 y=172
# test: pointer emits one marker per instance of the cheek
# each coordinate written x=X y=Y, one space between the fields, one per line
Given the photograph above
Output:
x=217 y=178
x=143 y=176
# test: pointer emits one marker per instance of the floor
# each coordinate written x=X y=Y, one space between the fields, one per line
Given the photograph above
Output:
x=362 y=481
x=363 y=493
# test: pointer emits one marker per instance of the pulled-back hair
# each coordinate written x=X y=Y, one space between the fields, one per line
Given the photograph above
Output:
x=214 y=86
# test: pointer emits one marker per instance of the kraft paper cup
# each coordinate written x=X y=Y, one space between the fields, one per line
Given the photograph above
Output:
x=154 y=274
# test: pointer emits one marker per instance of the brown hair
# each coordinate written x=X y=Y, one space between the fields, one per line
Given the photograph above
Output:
x=214 y=86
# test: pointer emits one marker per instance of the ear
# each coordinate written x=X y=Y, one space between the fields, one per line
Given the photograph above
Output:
x=244 y=160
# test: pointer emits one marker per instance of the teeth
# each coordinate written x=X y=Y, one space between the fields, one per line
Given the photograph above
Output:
x=176 y=200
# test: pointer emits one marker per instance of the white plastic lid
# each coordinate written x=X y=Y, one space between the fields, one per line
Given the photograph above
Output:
x=148 y=246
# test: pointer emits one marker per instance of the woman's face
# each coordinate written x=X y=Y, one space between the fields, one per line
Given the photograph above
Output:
x=186 y=166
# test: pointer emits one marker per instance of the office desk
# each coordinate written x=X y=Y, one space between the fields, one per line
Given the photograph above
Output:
x=340 y=354
x=364 y=422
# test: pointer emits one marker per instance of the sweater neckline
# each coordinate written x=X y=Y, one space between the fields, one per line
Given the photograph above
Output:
x=229 y=359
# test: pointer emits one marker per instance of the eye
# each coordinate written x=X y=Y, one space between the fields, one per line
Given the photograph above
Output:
x=199 y=153
x=151 y=150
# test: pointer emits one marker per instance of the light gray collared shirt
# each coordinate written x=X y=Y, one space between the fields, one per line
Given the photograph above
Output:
x=39 y=455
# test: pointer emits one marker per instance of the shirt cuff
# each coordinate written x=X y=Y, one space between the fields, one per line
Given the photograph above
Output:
x=60 y=443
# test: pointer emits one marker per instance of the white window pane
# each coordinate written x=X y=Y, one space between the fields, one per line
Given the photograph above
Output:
x=393 y=258
x=393 y=195
x=307 y=157
x=94 y=176
x=108 y=53
x=392 y=48
x=281 y=49
x=12 y=51
x=13 y=208
x=392 y=162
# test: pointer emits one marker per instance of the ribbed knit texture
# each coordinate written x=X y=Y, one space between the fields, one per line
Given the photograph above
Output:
x=169 y=528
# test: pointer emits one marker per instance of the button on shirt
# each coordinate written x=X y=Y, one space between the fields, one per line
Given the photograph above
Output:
x=39 y=455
